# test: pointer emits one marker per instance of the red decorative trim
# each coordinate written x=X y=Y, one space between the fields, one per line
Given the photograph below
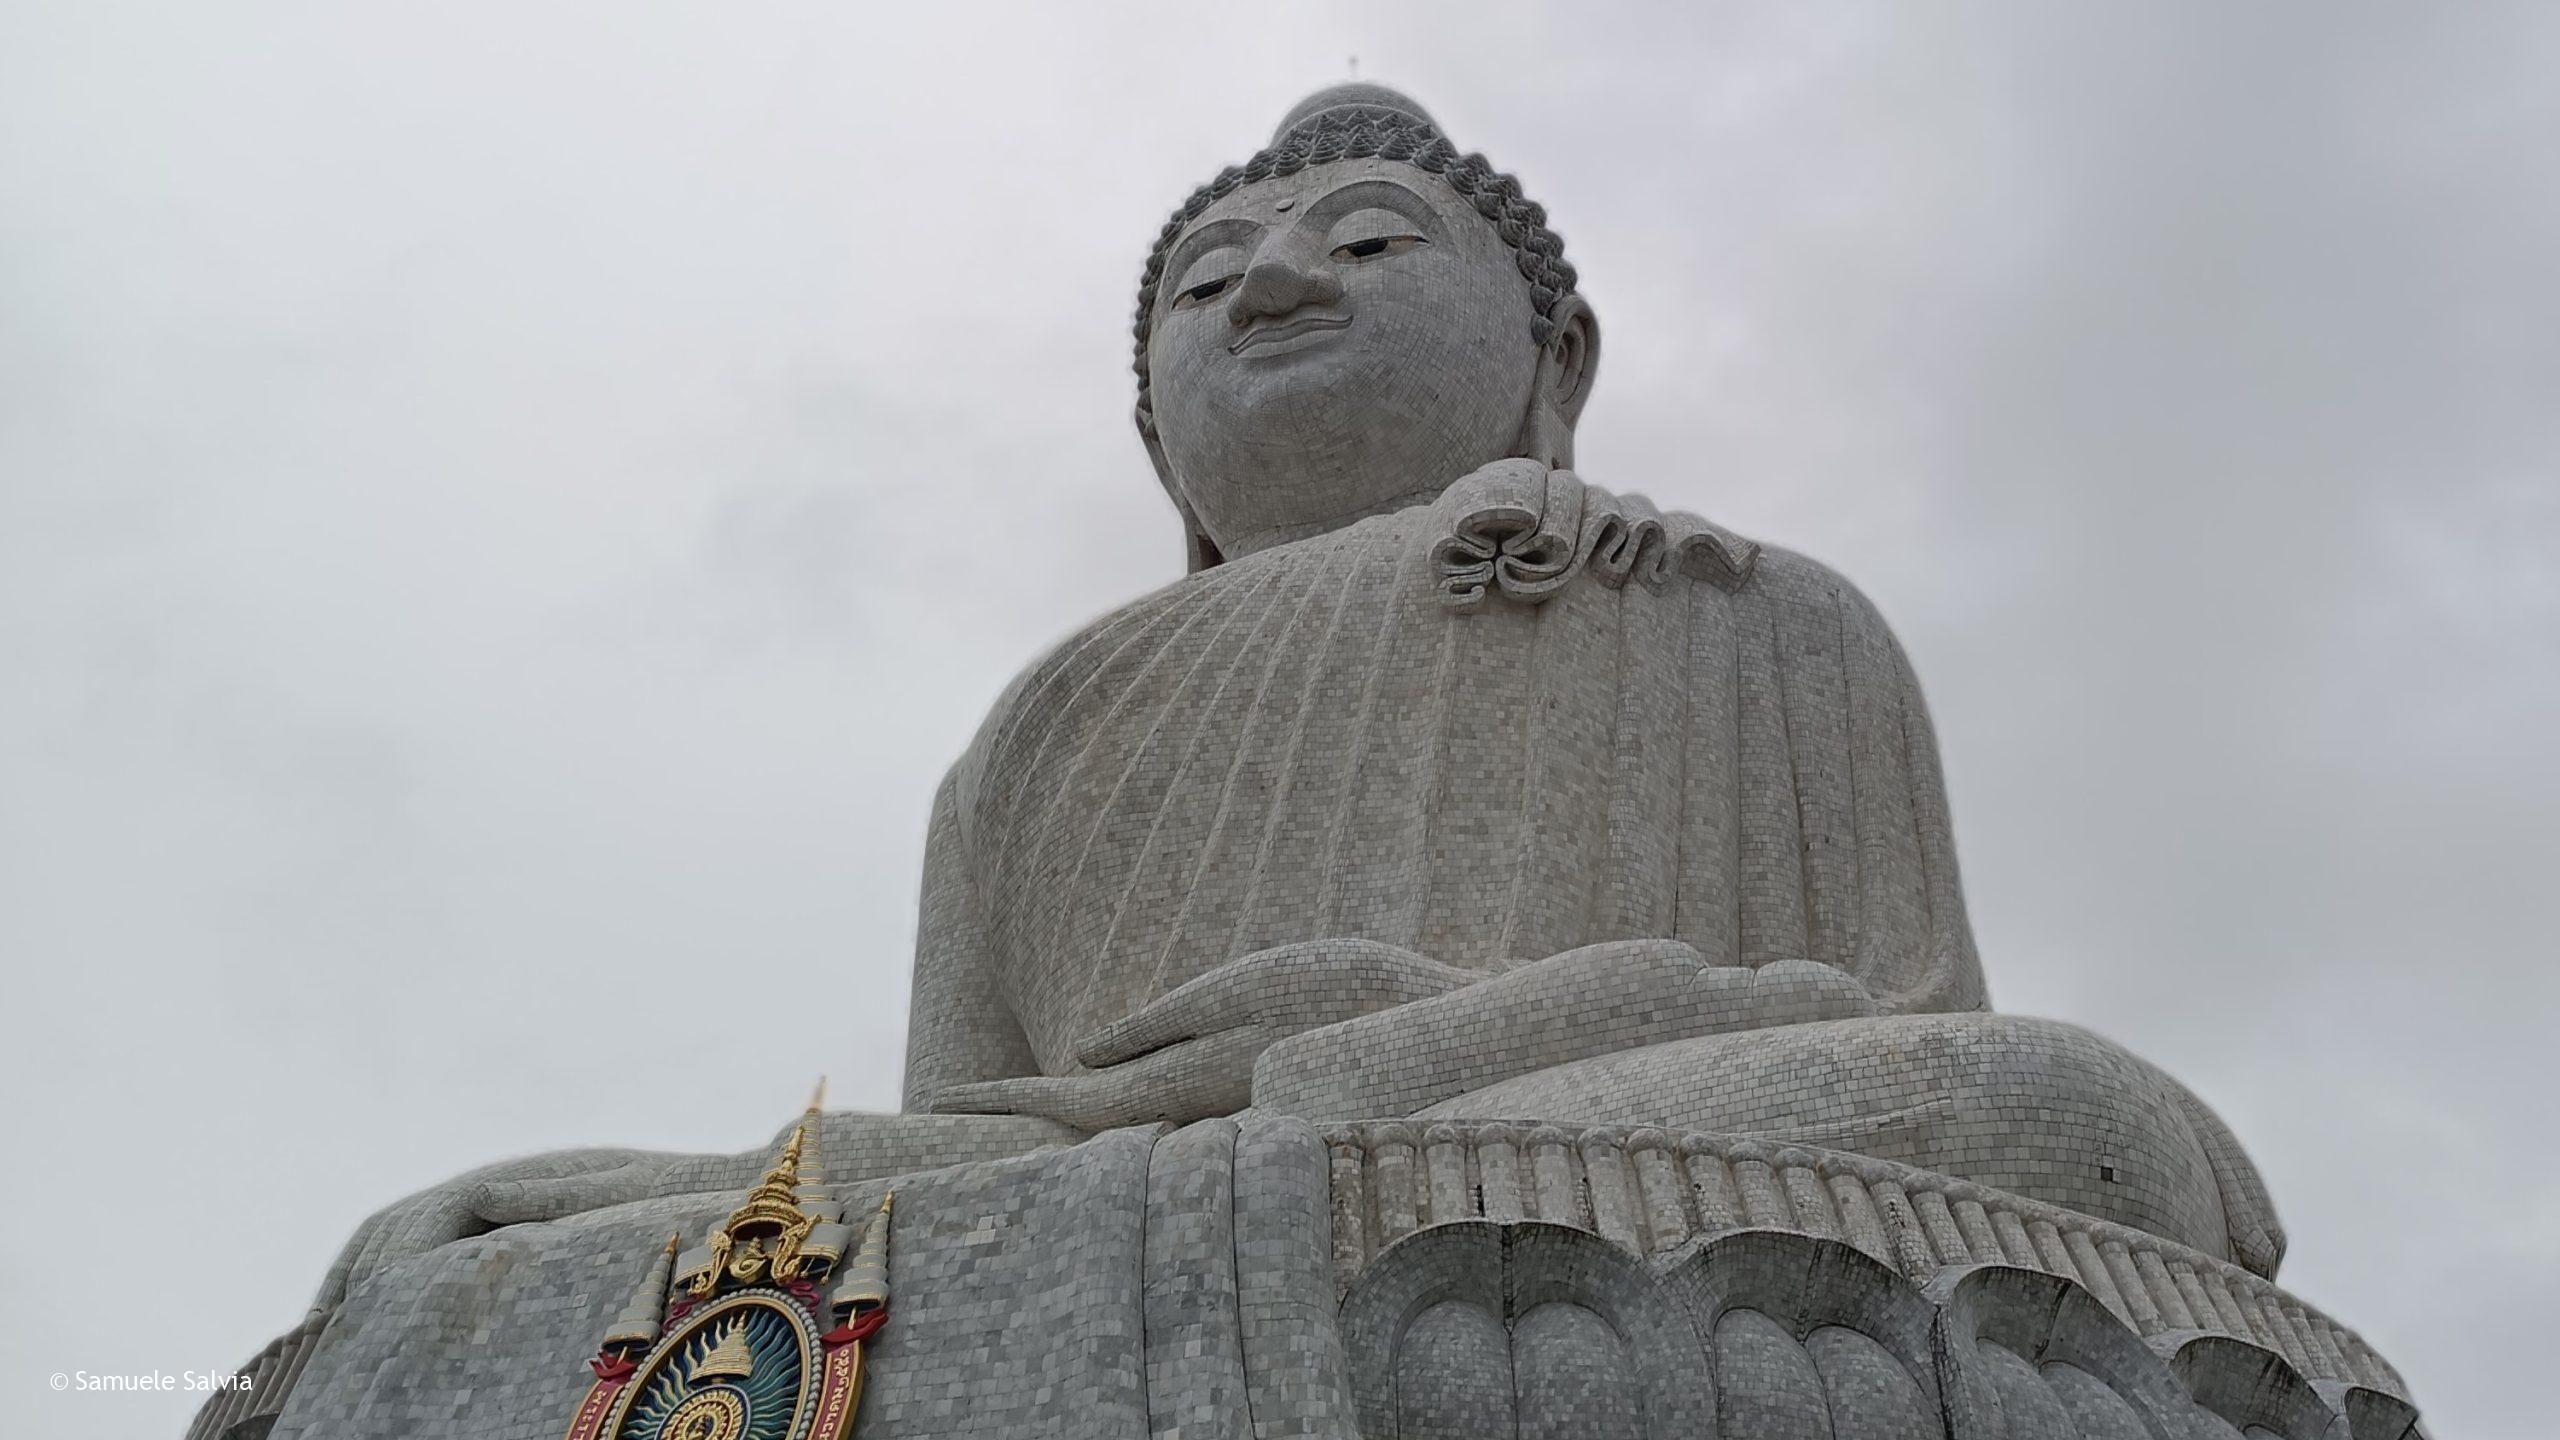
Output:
x=840 y=1389
x=591 y=1411
x=856 y=1329
x=609 y=1366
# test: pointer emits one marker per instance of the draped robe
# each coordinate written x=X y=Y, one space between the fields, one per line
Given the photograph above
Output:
x=1314 y=741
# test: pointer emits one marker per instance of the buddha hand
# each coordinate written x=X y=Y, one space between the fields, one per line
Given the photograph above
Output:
x=538 y=1187
x=1595 y=1000
x=1190 y=1053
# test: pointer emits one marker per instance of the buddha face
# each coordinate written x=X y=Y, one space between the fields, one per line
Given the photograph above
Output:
x=1333 y=344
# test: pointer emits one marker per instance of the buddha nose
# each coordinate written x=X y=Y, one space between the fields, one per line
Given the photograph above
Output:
x=1276 y=287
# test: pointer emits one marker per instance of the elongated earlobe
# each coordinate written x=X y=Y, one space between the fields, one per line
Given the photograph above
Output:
x=1199 y=551
x=1571 y=357
x=1565 y=366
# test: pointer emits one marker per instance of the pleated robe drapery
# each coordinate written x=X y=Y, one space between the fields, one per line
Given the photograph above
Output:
x=1310 y=742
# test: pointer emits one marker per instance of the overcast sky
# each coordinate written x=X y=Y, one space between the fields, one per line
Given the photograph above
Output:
x=507 y=510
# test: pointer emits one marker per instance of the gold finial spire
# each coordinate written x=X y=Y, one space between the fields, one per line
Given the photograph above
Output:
x=813 y=1125
x=866 y=1280
x=639 y=1321
x=772 y=1212
x=781 y=1184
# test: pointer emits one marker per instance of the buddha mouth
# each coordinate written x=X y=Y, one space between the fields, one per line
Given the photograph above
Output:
x=1269 y=334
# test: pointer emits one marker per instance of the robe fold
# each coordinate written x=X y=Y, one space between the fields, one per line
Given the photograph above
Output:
x=1316 y=741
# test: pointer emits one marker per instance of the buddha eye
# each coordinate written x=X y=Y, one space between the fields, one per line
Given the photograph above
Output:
x=1204 y=292
x=1383 y=247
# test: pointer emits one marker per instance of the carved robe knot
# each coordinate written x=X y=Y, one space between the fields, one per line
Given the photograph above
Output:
x=1526 y=531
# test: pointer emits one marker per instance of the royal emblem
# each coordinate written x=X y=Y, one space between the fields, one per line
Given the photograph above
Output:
x=757 y=1332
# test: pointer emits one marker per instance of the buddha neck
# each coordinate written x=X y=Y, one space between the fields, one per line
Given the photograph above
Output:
x=1301 y=529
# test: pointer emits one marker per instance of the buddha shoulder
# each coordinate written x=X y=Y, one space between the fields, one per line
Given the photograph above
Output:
x=1513 y=535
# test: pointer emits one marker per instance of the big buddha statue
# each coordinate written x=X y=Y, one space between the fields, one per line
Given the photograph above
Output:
x=1479 y=954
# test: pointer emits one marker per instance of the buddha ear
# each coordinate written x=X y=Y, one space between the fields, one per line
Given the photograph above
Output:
x=1565 y=366
x=1570 y=357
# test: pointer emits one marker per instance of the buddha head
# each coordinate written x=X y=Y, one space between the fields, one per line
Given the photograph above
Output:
x=1347 y=323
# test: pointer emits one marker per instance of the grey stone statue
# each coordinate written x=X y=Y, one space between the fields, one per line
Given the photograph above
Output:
x=1466 y=876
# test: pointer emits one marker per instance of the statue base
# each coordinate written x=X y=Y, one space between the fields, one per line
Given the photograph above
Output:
x=1265 y=1276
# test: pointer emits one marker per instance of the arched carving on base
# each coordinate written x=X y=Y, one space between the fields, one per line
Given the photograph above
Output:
x=1534 y=1329
x=1590 y=1345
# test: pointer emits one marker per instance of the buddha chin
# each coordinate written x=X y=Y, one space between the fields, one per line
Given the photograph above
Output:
x=1308 y=441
